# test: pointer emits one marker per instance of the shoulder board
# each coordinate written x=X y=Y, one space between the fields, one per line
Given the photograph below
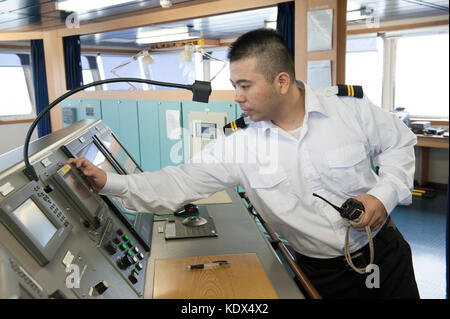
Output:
x=350 y=90
x=232 y=127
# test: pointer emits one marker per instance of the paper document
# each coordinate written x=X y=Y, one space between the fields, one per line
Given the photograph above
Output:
x=319 y=74
x=320 y=28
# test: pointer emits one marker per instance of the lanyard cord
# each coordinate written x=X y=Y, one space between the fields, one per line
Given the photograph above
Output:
x=348 y=257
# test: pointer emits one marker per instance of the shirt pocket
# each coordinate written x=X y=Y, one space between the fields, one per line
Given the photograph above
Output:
x=274 y=190
x=345 y=165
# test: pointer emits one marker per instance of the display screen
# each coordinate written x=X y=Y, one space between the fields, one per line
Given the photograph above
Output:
x=94 y=155
x=84 y=194
x=205 y=130
x=35 y=221
x=120 y=155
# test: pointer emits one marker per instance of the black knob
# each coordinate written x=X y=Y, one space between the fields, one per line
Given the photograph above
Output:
x=101 y=287
x=134 y=277
x=124 y=262
x=110 y=248
x=49 y=188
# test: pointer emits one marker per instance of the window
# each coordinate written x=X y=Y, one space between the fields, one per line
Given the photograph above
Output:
x=222 y=80
x=364 y=66
x=131 y=70
x=169 y=68
x=421 y=84
x=15 y=79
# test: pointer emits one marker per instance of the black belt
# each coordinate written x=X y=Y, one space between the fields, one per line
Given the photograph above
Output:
x=360 y=257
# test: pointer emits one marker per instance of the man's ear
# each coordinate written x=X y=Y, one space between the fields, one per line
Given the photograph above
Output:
x=283 y=82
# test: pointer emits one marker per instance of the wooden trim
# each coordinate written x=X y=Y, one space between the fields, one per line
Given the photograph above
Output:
x=16 y=121
x=337 y=53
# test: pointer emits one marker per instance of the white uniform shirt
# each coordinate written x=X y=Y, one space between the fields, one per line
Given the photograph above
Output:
x=279 y=172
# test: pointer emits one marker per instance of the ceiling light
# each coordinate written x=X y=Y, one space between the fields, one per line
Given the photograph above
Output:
x=79 y=6
x=147 y=58
x=165 y=3
x=186 y=54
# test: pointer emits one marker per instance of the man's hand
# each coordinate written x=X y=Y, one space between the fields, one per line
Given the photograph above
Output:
x=94 y=175
x=375 y=213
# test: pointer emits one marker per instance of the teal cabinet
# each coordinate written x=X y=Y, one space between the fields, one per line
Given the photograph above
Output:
x=122 y=118
x=149 y=139
x=90 y=109
x=70 y=111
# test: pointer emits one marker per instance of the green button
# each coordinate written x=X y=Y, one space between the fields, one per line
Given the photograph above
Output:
x=136 y=271
x=125 y=237
x=129 y=253
x=123 y=246
x=131 y=244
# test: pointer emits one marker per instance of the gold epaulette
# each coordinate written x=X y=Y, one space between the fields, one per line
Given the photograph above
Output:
x=235 y=125
x=350 y=90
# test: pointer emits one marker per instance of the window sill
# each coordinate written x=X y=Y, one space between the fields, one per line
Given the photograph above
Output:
x=16 y=121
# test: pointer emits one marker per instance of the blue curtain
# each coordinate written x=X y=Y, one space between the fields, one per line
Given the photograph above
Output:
x=446 y=240
x=286 y=24
x=72 y=58
x=40 y=85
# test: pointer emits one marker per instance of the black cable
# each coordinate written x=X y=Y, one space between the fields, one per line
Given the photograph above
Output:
x=200 y=89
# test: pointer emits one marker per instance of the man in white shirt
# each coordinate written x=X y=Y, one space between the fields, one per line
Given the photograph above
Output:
x=298 y=142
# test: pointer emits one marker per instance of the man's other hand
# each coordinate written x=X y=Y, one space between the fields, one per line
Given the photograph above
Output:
x=375 y=213
x=94 y=175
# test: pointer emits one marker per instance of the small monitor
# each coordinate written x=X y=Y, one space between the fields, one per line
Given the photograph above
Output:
x=94 y=155
x=36 y=221
x=206 y=130
x=32 y=217
x=119 y=153
x=77 y=191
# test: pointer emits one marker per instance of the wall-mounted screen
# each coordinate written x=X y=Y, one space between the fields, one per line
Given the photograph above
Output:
x=35 y=221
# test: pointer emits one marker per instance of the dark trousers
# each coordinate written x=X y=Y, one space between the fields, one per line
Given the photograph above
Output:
x=393 y=273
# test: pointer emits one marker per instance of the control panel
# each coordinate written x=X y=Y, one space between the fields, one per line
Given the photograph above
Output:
x=59 y=237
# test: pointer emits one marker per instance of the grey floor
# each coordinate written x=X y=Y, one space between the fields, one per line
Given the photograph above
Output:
x=423 y=225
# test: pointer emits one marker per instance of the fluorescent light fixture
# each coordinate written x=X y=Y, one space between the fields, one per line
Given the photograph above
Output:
x=87 y=5
x=166 y=35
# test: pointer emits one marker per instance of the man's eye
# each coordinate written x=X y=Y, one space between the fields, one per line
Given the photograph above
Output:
x=244 y=87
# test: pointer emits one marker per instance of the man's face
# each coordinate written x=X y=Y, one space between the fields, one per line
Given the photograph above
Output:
x=256 y=97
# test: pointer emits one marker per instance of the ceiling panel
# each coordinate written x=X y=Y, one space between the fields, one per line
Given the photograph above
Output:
x=41 y=14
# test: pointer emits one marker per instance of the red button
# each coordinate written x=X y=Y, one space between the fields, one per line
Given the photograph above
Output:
x=120 y=232
x=117 y=240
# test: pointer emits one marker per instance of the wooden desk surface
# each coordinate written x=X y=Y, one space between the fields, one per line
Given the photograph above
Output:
x=434 y=141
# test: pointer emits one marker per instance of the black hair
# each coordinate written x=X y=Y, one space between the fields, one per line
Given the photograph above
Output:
x=270 y=49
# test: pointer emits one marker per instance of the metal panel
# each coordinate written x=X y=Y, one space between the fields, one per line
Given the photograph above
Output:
x=216 y=106
x=149 y=135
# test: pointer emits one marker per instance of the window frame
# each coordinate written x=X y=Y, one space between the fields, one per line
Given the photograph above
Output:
x=390 y=39
x=28 y=75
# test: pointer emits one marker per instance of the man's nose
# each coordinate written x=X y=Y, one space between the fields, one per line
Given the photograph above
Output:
x=238 y=96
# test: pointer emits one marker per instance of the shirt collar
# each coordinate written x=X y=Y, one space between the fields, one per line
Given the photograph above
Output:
x=312 y=104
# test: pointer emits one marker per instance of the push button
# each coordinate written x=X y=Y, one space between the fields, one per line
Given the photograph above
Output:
x=120 y=231
x=134 y=276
